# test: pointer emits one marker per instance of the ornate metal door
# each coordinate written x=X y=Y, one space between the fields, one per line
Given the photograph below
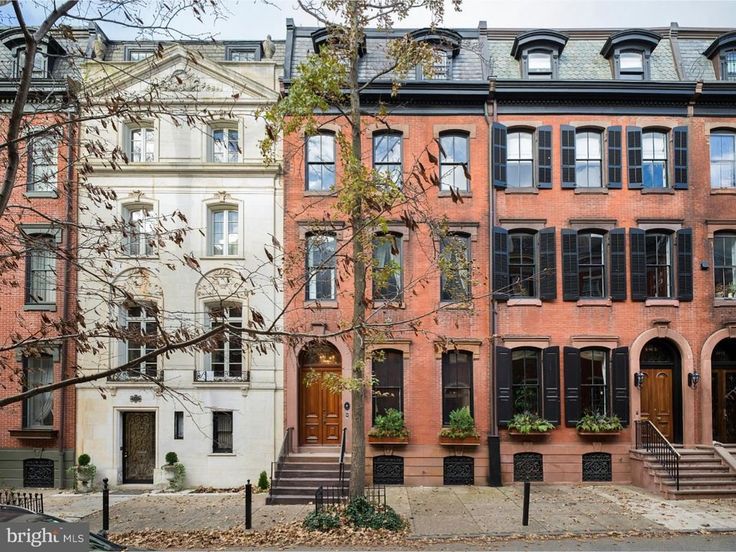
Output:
x=139 y=446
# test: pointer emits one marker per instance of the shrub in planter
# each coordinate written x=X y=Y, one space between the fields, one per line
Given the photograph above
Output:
x=528 y=422
x=84 y=473
x=599 y=423
x=173 y=471
x=171 y=458
x=263 y=483
x=462 y=425
x=390 y=424
x=321 y=521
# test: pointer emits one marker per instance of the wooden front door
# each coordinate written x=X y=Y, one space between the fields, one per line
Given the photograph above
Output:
x=139 y=446
x=656 y=400
x=320 y=422
x=724 y=405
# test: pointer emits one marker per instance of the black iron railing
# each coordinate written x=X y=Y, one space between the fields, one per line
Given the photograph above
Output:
x=649 y=438
x=29 y=501
x=337 y=497
x=215 y=376
x=342 y=456
x=284 y=451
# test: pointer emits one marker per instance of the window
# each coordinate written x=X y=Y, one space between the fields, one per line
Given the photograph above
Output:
x=141 y=145
x=728 y=65
x=321 y=162
x=41 y=271
x=43 y=163
x=140 y=328
x=659 y=264
x=387 y=156
x=523 y=264
x=457 y=382
x=137 y=54
x=226 y=358
x=592 y=265
x=526 y=380
x=40 y=68
x=455 y=264
x=588 y=159
x=139 y=234
x=520 y=160
x=723 y=160
x=631 y=65
x=38 y=411
x=654 y=159
x=225 y=147
x=388 y=369
x=241 y=55
x=387 y=267
x=454 y=162
x=724 y=256
x=178 y=424
x=594 y=381
x=440 y=65
x=223 y=231
x=222 y=432
x=321 y=267
x=539 y=64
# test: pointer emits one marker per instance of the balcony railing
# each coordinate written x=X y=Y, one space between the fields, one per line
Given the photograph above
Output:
x=138 y=375
x=206 y=376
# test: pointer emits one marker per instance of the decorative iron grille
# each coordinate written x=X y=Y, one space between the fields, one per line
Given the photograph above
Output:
x=38 y=472
x=29 y=501
x=597 y=466
x=528 y=466
x=388 y=470
x=458 y=470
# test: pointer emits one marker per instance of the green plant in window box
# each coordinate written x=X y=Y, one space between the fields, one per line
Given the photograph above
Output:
x=596 y=422
x=462 y=426
x=390 y=425
x=528 y=422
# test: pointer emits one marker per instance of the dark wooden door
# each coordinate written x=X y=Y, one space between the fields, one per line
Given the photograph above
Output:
x=656 y=400
x=724 y=405
x=139 y=446
x=320 y=421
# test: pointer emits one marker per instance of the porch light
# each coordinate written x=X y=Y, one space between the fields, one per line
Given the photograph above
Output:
x=692 y=379
x=639 y=379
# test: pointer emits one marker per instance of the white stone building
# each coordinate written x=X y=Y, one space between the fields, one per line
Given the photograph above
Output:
x=224 y=414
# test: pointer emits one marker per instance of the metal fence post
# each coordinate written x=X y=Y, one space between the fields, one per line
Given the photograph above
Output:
x=248 y=505
x=525 y=515
x=105 y=507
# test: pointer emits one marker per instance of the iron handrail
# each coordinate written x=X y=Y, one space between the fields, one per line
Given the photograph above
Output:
x=649 y=438
x=284 y=451
x=342 y=457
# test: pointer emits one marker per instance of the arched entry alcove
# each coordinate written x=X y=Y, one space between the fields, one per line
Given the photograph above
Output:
x=320 y=420
x=661 y=391
x=723 y=391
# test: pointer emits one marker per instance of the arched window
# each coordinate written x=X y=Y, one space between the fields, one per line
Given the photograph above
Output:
x=724 y=264
x=526 y=370
x=457 y=382
x=388 y=370
x=594 y=381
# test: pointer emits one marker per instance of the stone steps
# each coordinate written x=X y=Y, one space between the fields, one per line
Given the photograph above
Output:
x=702 y=475
x=303 y=472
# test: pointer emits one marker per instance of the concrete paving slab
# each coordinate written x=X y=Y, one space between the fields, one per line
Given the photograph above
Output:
x=436 y=525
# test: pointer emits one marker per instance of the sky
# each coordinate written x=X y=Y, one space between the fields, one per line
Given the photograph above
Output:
x=254 y=19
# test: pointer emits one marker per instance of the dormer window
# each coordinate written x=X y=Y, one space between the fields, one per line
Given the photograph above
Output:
x=241 y=55
x=137 y=54
x=631 y=65
x=40 y=68
x=722 y=52
x=539 y=65
x=440 y=65
x=47 y=51
x=728 y=66
x=629 y=52
x=538 y=52
x=445 y=47
x=250 y=51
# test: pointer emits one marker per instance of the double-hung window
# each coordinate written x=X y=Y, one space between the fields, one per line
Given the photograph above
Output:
x=222 y=432
x=388 y=371
x=223 y=231
x=43 y=163
x=241 y=55
x=659 y=265
x=631 y=65
x=539 y=64
x=387 y=267
x=520 y=159
x=592 y=265
x=654 y=159
x=141 y=329
x=440 y=65
x=526 y=370
x=38 y=411
x=321 y=162
x=226 y=358
x=523 y=264
x=41 y=270
x=455 y=266
x=728 y=65
x=387 y=156
x=141 y=145
x=724 y=257
x=454 y=167
x=225 y=148
x=321 y=267
x=140 y=235
x=588 y=156
x=594 y=381
x=40 y=65
x=457 y=382
x=723 y=160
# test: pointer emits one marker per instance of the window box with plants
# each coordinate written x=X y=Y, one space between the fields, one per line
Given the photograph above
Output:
x=461 y=431
x=528 y=424
x=389 y=429
x=599 y=425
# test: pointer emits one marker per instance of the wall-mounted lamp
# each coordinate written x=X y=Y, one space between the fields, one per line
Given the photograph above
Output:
x=639 y=379
x=692 y=379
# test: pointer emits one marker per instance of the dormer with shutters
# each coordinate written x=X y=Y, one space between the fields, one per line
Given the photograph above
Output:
x=629 y=53
x=722 y=52
x=538 y=52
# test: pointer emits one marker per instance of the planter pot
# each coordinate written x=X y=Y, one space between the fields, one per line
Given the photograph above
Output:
x=531 y=435
x=393 y=441
x=466 y=442
x=84 y=480
x=599 y=434
x=169 y=471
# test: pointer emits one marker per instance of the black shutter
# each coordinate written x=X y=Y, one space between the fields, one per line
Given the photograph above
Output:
x=547 y=265
x=633 y=144
x=568 y=156
x=620 y=382
x=617 y=273
x=570 y=290
x=685 y=264
x=638 y=251
x=499 y=155
x=500 y=263
x=544 y=157
x=680 y=137
x=614 y=157
x=551 y=381
x=505 y=407
x=572 y=386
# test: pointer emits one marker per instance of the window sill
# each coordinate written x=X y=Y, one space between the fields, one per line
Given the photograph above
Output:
x=724 y=302
x=594 y=303
x=34 y=433
x=42 y=195
x=603 y=191
x=220 y=257
x=662 y=303
x=137 y=258
x=725 y=191
x=455 y=305
x=531 y=190
x=221 y=454
x=225 y=384
x=134 y=383
x=524 y=302
x=448 y=193
x=655 y=191
x=323 y=193
x=46 y=307
x=390 y=305
x=326 y=304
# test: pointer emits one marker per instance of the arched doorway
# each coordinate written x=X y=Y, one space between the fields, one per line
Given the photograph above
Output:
x=723 y=389
x=320 y=422
x=661 y=392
